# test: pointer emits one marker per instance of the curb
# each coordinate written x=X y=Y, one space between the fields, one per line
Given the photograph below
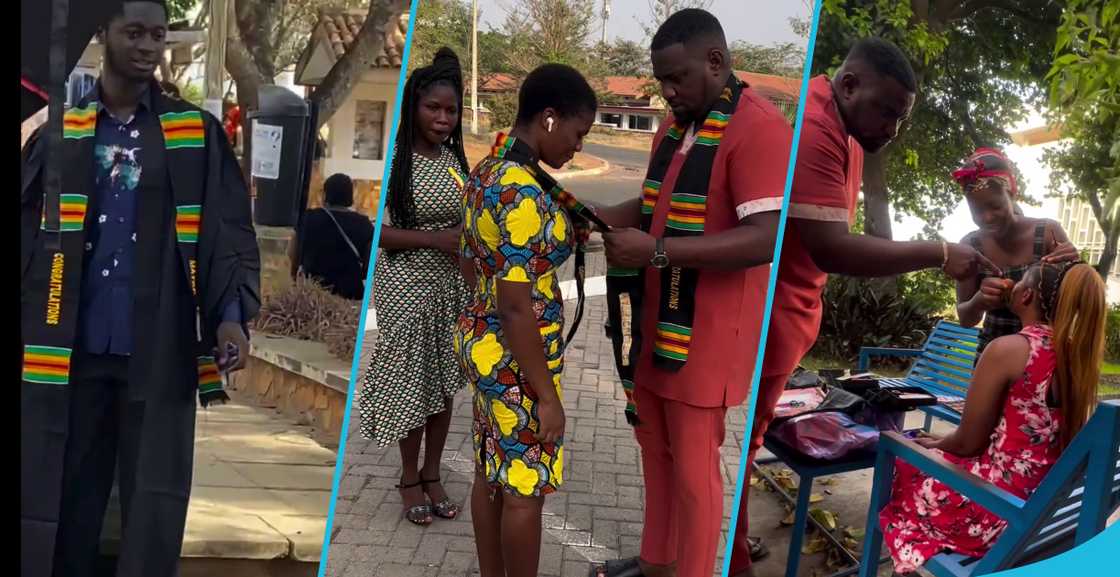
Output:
x=584 y=173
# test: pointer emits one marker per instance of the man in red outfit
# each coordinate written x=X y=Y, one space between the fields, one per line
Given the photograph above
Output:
x=859 y=110
x=704 y=233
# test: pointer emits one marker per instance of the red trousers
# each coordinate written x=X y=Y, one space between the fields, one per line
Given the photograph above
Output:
x=769 y=392
x=684 y=490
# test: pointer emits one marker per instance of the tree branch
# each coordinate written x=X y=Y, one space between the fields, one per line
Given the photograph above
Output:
x=348 y=70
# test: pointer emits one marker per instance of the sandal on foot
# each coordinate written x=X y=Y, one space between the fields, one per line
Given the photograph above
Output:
x=420 y=515
x=445 y=509
x=759 y=551
x=617 y=568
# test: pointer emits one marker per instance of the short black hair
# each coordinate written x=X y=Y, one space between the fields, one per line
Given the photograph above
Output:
x=687 y=25
x=555 y=86
x=120 y=10
x=887 y=60
x=338 y=190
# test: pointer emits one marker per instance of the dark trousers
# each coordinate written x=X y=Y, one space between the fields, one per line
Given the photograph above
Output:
x=151 y=444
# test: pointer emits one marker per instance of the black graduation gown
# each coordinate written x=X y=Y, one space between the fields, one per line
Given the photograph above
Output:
x=196 y=252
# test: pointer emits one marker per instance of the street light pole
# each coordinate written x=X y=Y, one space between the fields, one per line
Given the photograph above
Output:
x=216 y=57
x=474 y=66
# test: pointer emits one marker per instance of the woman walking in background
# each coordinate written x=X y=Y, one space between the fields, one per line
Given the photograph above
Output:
x=418 y=291
x=516 y=237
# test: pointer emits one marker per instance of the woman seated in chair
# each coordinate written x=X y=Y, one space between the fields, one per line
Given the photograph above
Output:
x=1030 y=394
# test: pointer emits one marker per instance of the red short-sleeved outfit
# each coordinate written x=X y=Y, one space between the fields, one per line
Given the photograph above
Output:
x=826 y=183
x=748 y=177
x=682 y=413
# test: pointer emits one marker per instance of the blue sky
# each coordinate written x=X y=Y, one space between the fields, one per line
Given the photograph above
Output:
x=757 y=21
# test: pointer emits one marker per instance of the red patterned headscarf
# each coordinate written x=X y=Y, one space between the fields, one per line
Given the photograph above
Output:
x=984 y=164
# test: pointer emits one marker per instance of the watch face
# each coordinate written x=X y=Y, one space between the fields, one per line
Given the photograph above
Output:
x=659 y=261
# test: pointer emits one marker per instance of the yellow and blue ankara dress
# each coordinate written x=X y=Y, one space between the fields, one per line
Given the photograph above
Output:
x=516 y=232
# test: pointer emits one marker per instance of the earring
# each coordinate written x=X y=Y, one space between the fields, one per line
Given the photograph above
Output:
x=549 y=121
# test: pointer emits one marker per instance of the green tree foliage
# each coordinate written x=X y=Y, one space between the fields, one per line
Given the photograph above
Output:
x=180 y=9
x=661 y=10
x=543 y=31
x=1084 y=100
x=623 y=58
x=781 y=59
x=980 y=65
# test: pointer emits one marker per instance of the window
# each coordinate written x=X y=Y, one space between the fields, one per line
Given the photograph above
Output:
x=77 y=86
x=1081 y=237
x=641 y=123
x=369 y=130
x=612 y=119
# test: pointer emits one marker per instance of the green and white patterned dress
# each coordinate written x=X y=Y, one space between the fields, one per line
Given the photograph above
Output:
x=417 y=294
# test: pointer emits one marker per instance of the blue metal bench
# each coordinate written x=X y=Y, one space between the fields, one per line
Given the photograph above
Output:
x=1070 y=506
x=943 y=367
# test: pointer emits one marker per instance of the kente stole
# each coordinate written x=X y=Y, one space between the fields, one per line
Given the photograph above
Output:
x=687 y=211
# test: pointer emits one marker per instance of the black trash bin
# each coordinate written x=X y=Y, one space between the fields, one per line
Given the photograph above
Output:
x=279 y=155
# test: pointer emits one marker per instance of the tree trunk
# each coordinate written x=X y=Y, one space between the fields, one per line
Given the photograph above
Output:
x=1104 y=267
x=248 y=80
x=340 y=81
x=876 y=205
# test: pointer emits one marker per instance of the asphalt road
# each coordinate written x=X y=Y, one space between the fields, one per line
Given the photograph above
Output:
x=622 y=182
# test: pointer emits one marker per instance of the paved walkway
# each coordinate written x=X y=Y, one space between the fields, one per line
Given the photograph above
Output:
x=596 y=516
x=260 y=491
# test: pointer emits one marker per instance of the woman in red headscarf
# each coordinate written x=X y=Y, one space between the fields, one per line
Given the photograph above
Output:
x=1009 y=239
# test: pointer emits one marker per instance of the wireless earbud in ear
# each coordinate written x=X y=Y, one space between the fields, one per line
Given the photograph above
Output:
x=549 y=121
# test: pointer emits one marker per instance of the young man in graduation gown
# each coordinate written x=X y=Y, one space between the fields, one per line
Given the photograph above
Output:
x=132 y=296
x=701 y=236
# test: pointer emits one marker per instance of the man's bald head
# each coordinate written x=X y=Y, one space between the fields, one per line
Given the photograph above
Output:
x=691 y=61
x=874 y=89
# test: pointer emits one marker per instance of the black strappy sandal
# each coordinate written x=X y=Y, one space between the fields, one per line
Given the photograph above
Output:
x=617 y=568
x=445 y=509
x=420 y=515
x=758 y=550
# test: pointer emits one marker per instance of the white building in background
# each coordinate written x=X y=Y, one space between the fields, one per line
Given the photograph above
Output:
x=357 y=134
x=1075 y=215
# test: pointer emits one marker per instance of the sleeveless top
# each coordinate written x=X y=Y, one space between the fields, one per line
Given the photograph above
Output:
x=1000 y=322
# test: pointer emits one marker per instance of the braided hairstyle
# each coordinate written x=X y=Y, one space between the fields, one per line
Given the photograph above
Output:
x=1072 y=299
x=444 y=70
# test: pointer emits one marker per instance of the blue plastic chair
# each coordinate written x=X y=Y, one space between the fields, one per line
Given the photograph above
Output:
x=943 y=367
x=1070 y=506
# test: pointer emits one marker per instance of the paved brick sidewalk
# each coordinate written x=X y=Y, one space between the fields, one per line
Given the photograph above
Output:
x=596 y=516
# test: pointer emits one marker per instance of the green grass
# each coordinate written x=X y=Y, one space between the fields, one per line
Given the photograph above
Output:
x=1110 y=368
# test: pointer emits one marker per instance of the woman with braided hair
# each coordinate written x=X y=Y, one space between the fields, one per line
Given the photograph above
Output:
x=418 y=290
x=1030 y=394
x=1012 y=241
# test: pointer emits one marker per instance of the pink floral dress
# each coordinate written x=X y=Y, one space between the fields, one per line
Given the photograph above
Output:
x=925 y=517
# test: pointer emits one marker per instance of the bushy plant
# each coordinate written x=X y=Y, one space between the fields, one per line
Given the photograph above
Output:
x=891 y=312
x=1112 y=334
x=307 y=311
x=930 y=289
x=503 y=110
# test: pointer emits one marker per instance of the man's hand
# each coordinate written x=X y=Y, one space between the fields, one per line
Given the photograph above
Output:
x=232 y=334
x=629 y=247
x=447 y=240
x=966 y=262
x=1063 y=252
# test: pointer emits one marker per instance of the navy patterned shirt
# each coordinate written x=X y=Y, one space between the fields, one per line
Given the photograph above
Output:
x=106 y=297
